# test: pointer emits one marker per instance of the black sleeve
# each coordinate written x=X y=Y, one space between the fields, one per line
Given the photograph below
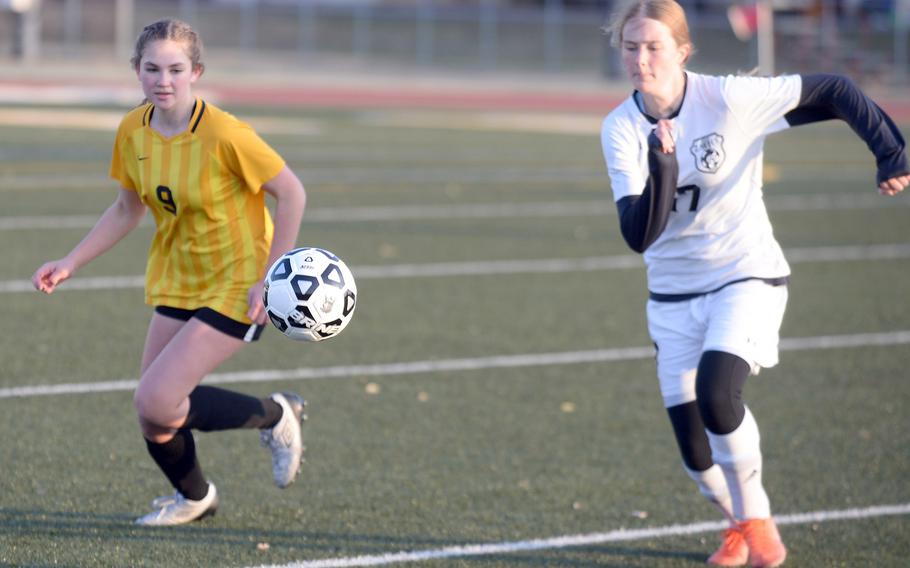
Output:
x=825 y=96
x=642 y=218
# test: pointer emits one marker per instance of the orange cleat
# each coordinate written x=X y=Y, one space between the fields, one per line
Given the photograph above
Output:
x=766 y=549
x=733 y=550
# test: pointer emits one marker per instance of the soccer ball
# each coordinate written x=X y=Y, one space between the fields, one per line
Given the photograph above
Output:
x=310 y=294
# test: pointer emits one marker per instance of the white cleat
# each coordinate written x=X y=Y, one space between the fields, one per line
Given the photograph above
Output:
x=178 y=510
x=285 y=439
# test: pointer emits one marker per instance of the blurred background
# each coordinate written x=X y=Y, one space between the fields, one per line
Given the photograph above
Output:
x=497 y=383
x=551 y=38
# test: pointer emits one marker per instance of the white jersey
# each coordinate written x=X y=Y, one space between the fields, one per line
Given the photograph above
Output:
x=719 y=230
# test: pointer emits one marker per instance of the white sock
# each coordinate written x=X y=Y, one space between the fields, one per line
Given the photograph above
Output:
x=713 y=485
x=739 y=456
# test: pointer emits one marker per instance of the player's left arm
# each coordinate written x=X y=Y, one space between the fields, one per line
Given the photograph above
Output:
x=290 y=201
x=828 y=96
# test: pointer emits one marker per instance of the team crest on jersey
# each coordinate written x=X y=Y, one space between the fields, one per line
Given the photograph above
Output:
x=709 y=153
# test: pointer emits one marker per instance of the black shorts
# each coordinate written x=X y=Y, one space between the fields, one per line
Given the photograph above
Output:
x=248 y=332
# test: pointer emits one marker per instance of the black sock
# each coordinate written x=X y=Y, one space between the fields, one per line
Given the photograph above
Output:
x=212 y=409
x=177 y=459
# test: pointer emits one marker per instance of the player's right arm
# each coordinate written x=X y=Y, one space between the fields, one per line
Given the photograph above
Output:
x=642 y=218
x=643 y=176
x=115 y=223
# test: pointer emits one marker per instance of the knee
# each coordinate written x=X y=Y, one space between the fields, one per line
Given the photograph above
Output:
x=144 y=407
x=718 y=387
x=152 y=423
x=719 y=411
x=152 y=410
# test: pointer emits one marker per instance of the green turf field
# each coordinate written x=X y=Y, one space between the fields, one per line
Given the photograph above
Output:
x=511 y=396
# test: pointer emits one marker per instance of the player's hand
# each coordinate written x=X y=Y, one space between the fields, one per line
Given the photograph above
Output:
x=894 y=185
x=664 y=133
x=52 y=273
x=256 y=313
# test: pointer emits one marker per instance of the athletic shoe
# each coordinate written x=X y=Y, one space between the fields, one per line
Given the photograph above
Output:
x=285 y=439
x=766 y=549
x=733 y=550
x=178 y=510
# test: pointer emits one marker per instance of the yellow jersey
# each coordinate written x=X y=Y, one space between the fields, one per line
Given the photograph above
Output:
x=204 y=189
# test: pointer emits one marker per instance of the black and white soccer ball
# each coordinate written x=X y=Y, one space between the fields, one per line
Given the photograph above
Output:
x=310 y=294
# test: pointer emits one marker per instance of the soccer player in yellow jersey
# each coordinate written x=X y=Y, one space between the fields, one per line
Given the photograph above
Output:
x=204 y=176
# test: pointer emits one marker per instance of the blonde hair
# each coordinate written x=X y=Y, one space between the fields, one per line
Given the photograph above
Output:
x=174 y=30
x=667 y=12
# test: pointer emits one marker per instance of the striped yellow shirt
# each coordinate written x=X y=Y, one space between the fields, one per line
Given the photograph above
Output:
x=204 y=188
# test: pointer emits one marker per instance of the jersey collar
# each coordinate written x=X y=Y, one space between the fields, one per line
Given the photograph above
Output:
x=636 y=96
x=195 y=116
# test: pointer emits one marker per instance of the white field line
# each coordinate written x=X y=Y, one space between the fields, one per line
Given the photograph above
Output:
x=43 y=117
x=479 y=211
x=569 y=541
x=362 y=214
x=98 y=283
x=312 y=176
x=451 y=365
x=553 y=123
x=354 y=175
x=491 y=267
x=107 y=121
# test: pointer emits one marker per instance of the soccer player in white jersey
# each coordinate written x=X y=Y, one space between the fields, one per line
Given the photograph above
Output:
x=684 y=155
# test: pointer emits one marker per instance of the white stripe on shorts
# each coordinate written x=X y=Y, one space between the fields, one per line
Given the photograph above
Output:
x=251 y=333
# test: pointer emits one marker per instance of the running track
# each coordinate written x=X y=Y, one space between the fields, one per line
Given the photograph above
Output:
x=383 y=94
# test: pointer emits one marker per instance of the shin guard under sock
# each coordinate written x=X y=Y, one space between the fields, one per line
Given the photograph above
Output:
x=739 y=456
x=177 y=459
x=213 y=409
x=713 y=485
